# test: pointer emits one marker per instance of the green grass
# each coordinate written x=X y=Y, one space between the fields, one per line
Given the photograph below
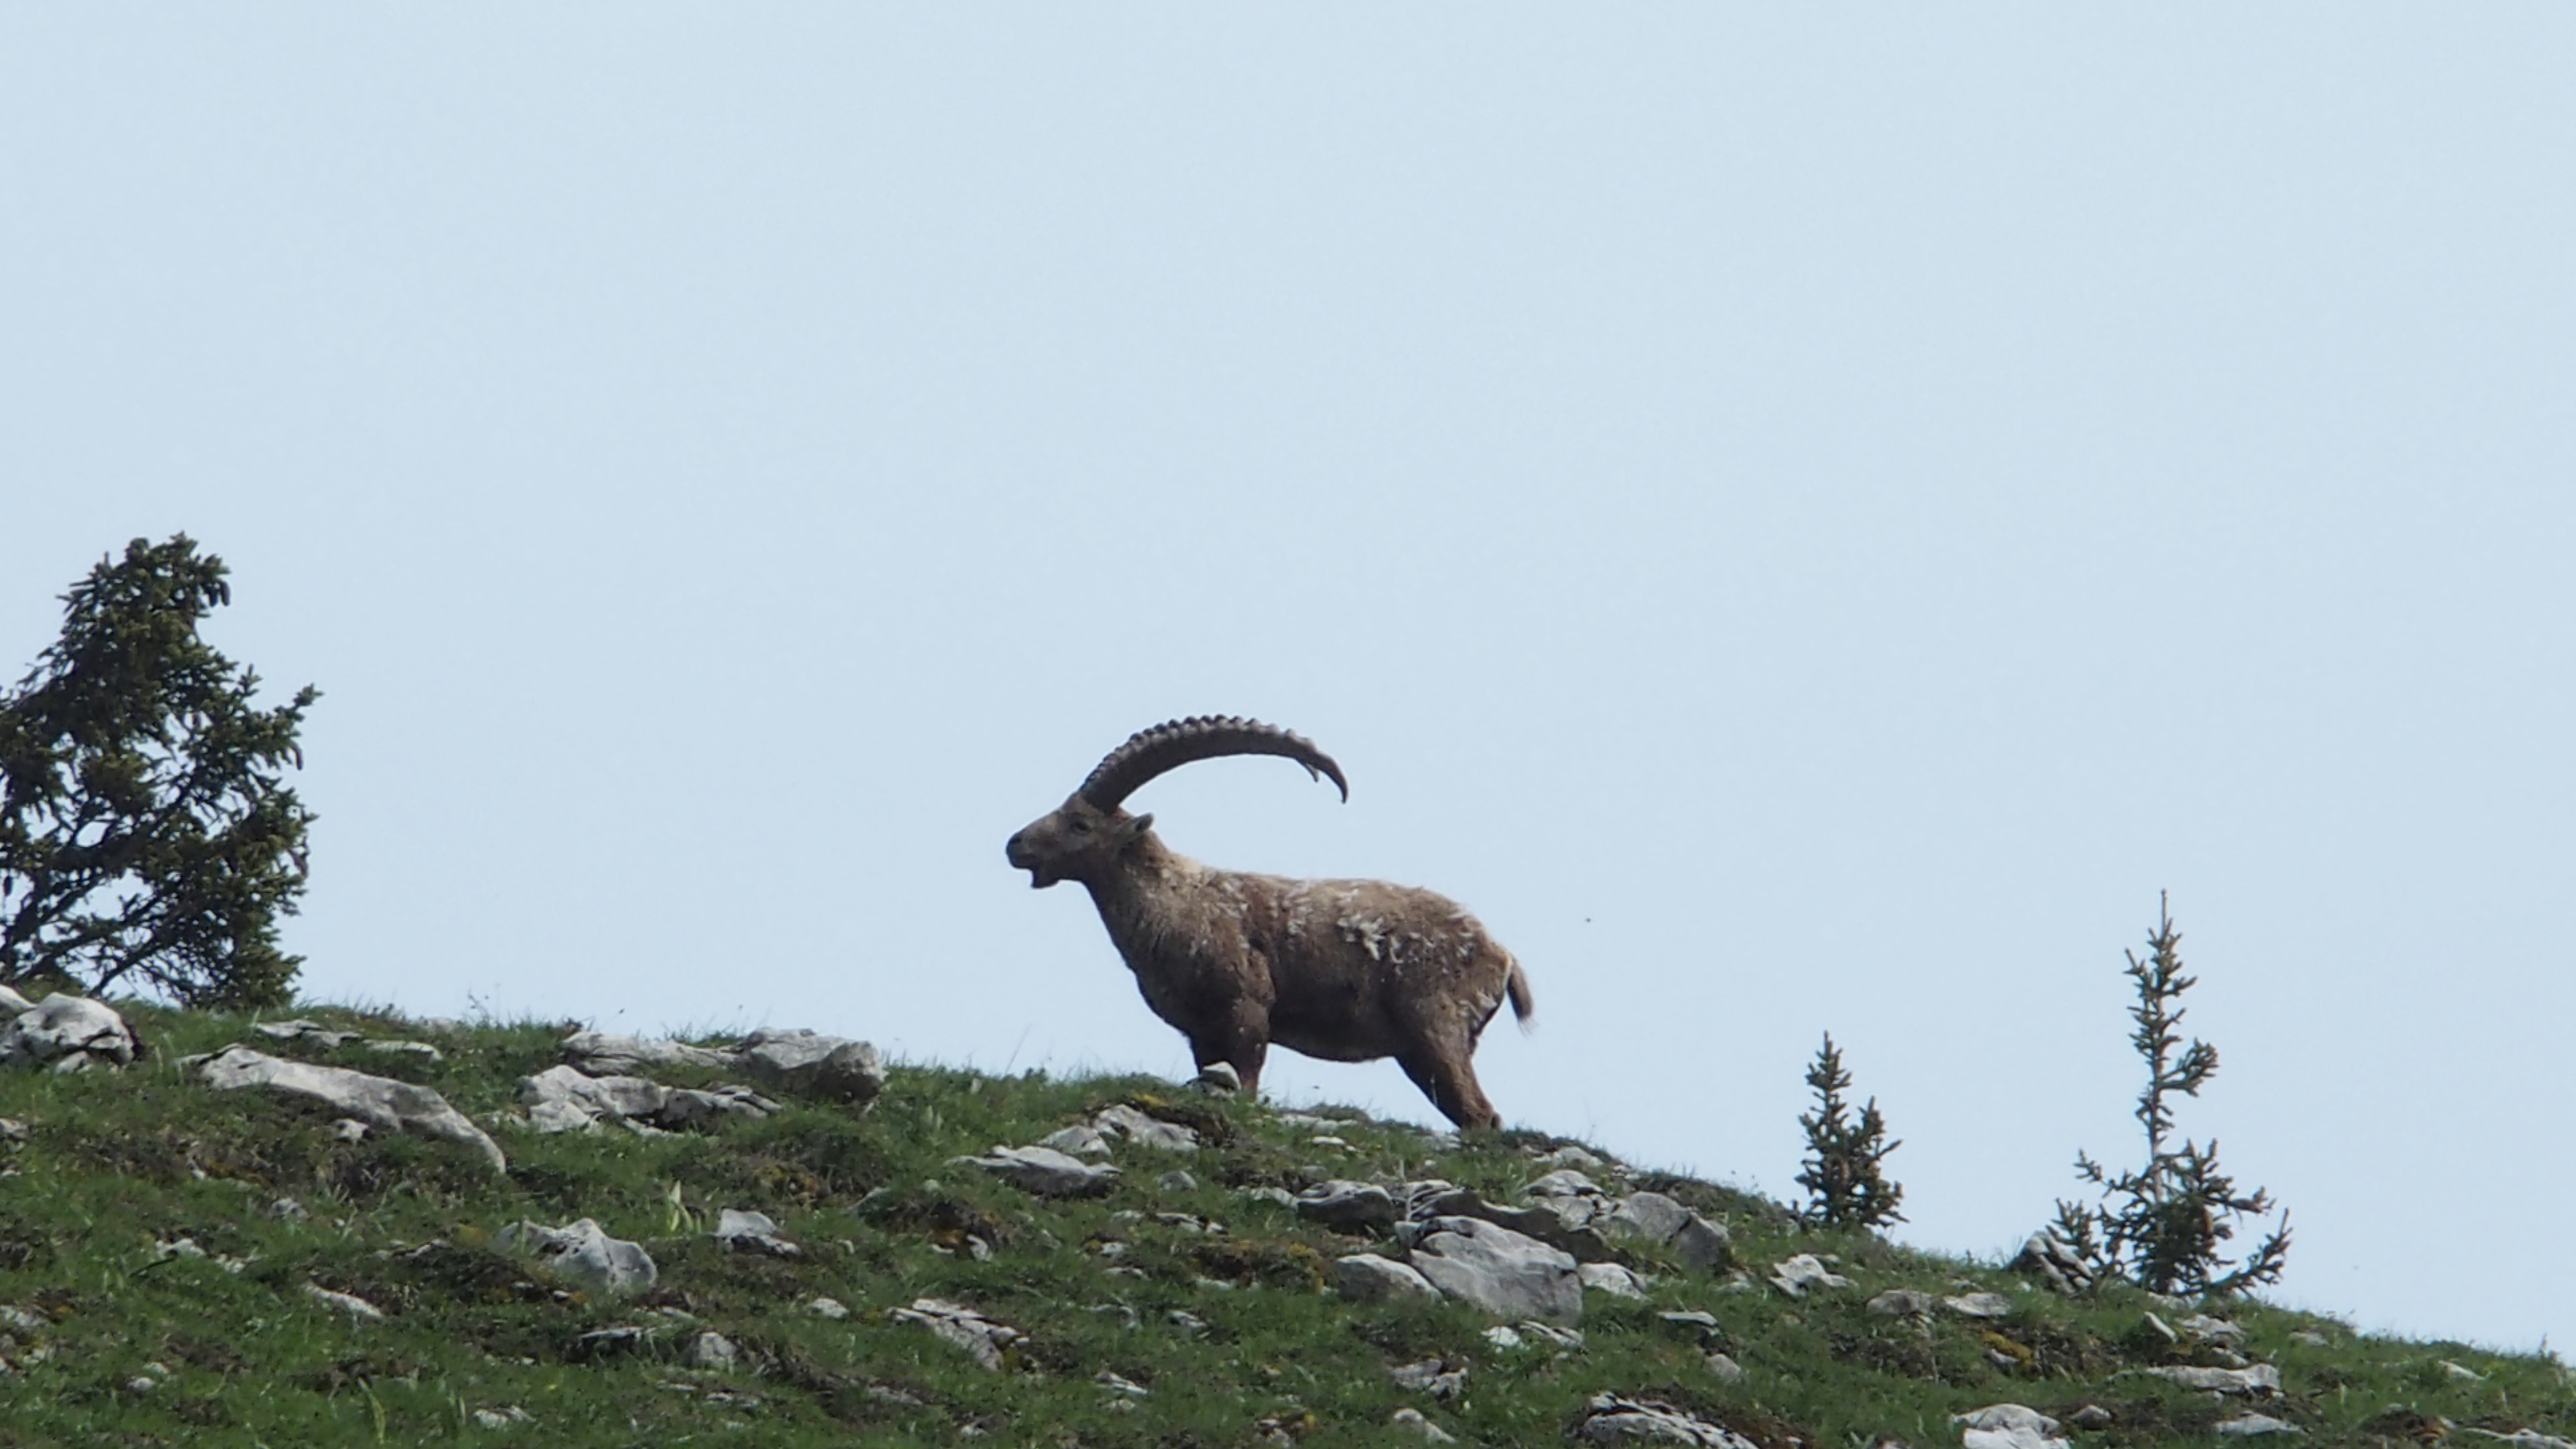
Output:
x=138 y=1345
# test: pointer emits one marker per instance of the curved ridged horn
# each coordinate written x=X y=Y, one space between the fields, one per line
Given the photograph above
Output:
x=1173 y=743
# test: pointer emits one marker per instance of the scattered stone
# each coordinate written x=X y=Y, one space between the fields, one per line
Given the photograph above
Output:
x=2248 y=1424
x=502 y=1418
x=1609 y=1418
x=1120 y=1384
x=1439 y=1378
x=1704 y=1246
x=1368 y=1278
x=1796 y=1275
x=2311 y=1338
x=2008 y=1426
x=420 y=1049
x=1045 y=1171
x=1430 y=1432
x=302 y=1030
x=1361 y=1206
x=2054 y=1262
x=348 y=1303
x=1219 y=1079
x=831 y=1308
x=65 y=1033
x=1186 y=1321
x=1979 y=1305
x=1565 y=1182
x=1502 y=1336
x=1177 y=1181
x=583 y=1250
x=1144 y=1130
x=2092 y=1416
x=11 y=1003
x=1082 y=1139
x=375 y=1101
x=2463 y=1372
x=1692 y=1322
x=1901 y=1303
x=1574 y=1157
x=985 y=1339
x=1542 y=1222
x=1648 y=1215
x=2262 y=1378
x=2216 y=1332
x=817 y=1067
x=2162 y=1329
x=599 y=1053
x=710 y=1351
x=1613 y=1279
x=2525 y=1439
x=1507 y=1274
x=1728 y=1371
x=741 y=1231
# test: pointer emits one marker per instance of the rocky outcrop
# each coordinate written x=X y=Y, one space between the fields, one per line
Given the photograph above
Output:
x=378 y=1102
x=1505 y=1273
x=63 y=1033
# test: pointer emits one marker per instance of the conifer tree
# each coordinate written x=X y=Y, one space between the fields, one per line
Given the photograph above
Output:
x=2163 y=1226
x=146 y=838
x=1846 y=1184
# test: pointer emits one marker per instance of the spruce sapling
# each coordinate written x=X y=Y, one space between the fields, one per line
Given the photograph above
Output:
x=2162 y=1226
x=1842 y=1175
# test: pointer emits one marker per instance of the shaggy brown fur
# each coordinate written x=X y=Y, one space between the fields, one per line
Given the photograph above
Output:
x=1345 y=970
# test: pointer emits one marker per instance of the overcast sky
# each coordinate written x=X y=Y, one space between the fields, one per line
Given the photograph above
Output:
x=1805 y=519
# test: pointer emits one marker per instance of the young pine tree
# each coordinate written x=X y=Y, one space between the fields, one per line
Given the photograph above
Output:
x=145 y=837
x=1843 y=1179
x=2163 y=1226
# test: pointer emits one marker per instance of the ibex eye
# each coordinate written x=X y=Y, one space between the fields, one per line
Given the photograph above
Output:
x=1082 y=827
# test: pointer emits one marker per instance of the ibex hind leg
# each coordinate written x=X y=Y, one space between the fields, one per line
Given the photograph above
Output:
x=1449 y=1080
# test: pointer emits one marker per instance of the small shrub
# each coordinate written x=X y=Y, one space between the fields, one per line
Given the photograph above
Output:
x=1843 y=1177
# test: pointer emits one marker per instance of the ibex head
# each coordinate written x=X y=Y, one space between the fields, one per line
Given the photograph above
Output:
x=1086 y=837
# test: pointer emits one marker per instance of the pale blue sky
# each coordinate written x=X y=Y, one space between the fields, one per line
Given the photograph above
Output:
x=1803 y=519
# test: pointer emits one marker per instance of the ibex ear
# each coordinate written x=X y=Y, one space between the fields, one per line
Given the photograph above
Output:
x=1130 y=830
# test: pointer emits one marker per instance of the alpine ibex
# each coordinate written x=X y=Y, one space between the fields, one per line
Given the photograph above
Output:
x=1345 y=970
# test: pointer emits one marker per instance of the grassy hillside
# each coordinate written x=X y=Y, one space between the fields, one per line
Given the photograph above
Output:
x=160 y=1243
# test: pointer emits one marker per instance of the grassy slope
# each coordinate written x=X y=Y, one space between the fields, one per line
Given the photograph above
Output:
x=111 y=1165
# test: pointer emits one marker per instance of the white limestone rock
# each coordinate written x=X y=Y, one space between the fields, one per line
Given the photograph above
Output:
x=742 y=1231
x=2008 y=1426
x=1610 y=1419
x=958 y=1324
x=1507 y=1274
x=1340 y=1203
x=2250 y=1424
x=2054 y=1262
x=808 y=1064
x=379 y=1102
x=601 y=1054
x=584 y=1251
x=1979 y=1305
x=2261 y=1378
x=65 y=1033
x=348 y=1303
x=1614 y=1280
x=1044 y=1171
x=1368 y=1278
x=1794 y=1276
